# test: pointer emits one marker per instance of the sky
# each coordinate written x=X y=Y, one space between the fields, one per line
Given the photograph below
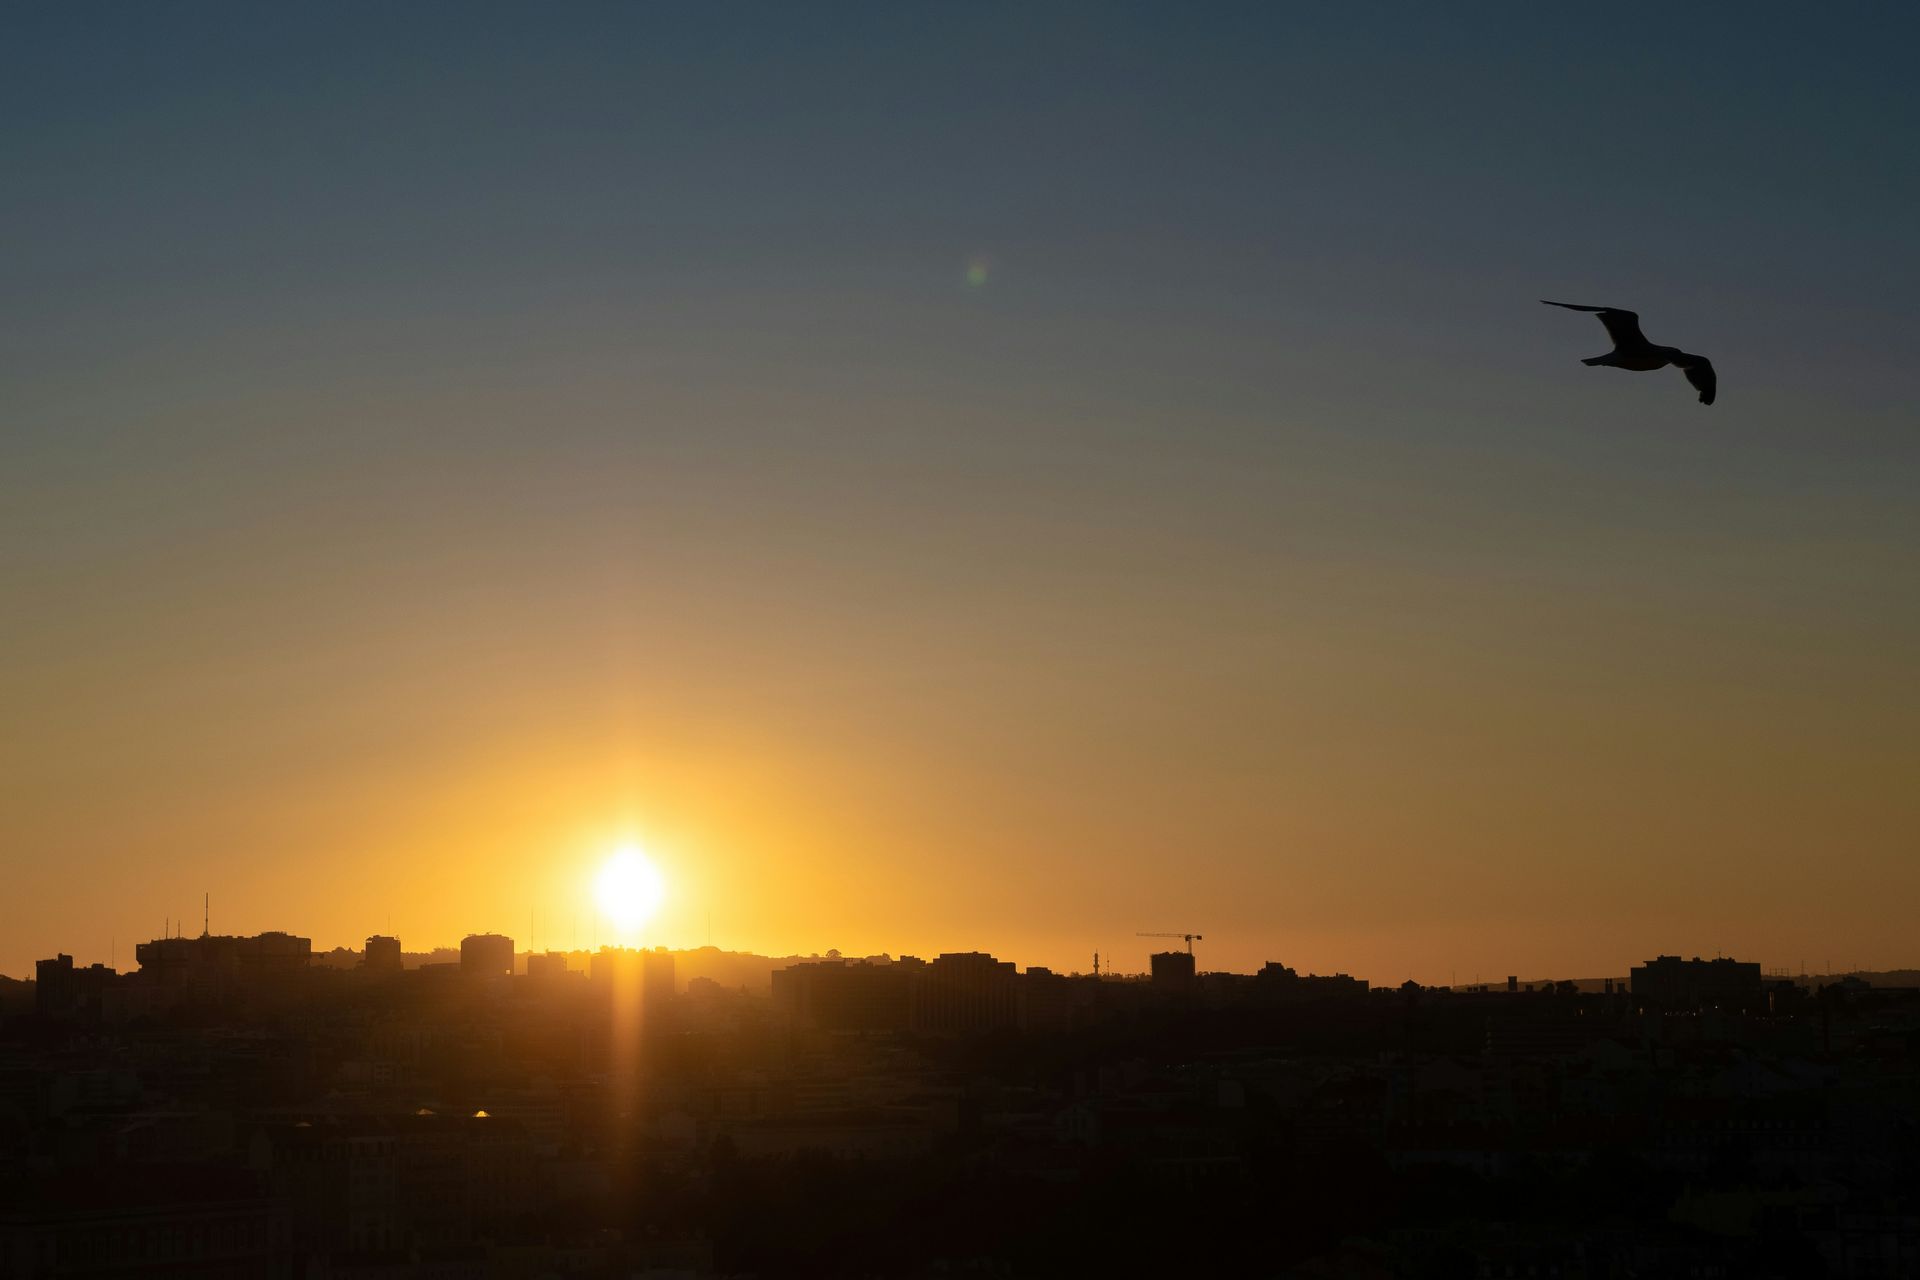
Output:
x=962 y=477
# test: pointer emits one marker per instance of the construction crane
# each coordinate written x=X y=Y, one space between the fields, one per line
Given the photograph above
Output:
x=1188 y=938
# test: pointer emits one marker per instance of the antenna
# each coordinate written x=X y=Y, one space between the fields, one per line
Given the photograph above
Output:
x=206 y=913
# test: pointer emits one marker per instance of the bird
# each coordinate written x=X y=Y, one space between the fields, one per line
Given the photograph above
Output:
x=1631 y=350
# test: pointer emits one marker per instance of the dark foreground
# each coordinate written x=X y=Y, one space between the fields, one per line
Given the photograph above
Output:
x=336 y=1124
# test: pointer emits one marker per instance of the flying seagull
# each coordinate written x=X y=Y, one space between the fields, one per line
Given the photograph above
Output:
x=1631 y=350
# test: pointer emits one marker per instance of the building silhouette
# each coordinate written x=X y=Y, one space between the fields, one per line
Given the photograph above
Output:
x=965 y=993
x=1172 y=969
x=61 y=990
x=545 y=968
x=486 y=955
x=1668 y=982
x=846 y=995
x=1279 y=983
x=382 y=955
x=657 y=979
x=212 y=960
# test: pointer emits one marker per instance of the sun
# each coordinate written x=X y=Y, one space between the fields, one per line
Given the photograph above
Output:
x=629 y=889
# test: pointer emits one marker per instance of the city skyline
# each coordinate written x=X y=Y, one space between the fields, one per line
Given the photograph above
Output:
x=1133 y=961
x=239 y=1106
x=837 y=992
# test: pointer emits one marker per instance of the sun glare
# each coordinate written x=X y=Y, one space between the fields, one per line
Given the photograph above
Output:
x=629 y=889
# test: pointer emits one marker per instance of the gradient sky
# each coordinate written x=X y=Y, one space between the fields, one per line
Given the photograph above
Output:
x=967 y=476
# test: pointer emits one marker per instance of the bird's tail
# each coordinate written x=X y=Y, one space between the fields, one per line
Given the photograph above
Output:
x=1594 y=360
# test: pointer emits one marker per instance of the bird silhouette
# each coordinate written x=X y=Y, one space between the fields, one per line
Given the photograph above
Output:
x=1631 y=350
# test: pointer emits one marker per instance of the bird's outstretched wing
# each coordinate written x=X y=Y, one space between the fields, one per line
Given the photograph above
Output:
x=1622 y=326
x=1699 y=371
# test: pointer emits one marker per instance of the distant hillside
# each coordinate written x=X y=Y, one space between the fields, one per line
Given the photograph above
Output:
x=731 y=969
x=1872 y=977
x=16 y=995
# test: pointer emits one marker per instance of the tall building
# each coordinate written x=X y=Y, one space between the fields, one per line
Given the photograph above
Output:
x=846 y=995
x=1172 y=969
x=608 y=964
x=382 y=955
x=552 y=965
x=1049 y=1001
x=964 y=993
x=486 y=955
x=61 y=990
x=1668 y=982
x=657 y=978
